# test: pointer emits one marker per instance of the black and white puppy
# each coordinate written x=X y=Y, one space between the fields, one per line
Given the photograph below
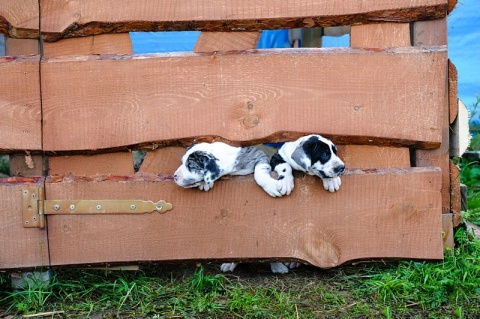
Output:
x=205 y=163
x=312 y=154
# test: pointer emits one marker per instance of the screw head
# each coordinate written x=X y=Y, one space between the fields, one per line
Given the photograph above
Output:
x=99 y=207
x=56 y=207
x=72 y=206
x=159 y=206
x=133 y=207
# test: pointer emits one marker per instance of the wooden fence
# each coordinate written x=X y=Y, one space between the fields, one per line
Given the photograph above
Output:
x=77 y=103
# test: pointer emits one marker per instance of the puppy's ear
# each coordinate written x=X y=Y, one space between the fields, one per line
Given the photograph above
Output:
x=301 y=158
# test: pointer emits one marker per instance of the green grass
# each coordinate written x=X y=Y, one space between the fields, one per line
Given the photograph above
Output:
x=402 y=289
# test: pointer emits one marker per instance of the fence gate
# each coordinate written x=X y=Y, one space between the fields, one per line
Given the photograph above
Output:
x=78 y=107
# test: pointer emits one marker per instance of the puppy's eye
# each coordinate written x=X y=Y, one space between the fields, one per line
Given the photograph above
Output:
x=334 y=150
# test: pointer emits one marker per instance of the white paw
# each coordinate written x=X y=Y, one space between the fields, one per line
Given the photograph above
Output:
x=332 y=184
x=206 y=186
x=228 y=267
x=278 y=268
x=285 y=185
x=271 y=188
x=285 y=181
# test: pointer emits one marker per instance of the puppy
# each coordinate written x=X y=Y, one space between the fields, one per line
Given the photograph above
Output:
x=205 y=163
x=312 y=154
x=276 y=267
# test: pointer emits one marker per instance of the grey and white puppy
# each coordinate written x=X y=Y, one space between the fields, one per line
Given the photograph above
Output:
x=205 y=163
x=312 y=154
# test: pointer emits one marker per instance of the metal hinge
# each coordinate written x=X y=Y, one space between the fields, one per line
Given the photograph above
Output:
x=35 y=207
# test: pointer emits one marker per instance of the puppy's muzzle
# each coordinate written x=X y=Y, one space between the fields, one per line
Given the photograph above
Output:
x=339 y=170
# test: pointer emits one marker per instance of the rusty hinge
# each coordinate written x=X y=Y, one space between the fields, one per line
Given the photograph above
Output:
x=35 y=207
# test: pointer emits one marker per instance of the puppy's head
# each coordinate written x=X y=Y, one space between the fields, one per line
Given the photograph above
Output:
x=318 y=156
x=198 y=166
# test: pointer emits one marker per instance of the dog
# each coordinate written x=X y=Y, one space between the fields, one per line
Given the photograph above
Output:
x=312 y=154
x=204 y=163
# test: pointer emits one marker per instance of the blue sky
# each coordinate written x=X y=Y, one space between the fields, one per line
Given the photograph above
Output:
x=464 y=48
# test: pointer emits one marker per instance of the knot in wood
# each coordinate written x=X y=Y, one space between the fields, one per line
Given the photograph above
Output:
x=251 y=120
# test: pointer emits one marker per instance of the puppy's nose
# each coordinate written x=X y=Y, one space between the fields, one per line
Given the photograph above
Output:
x=339 y=169
x=175 y=177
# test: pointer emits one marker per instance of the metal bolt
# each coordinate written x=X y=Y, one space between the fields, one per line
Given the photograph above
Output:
x=72 y=207
x=133 y=207
x=99 y=207
x=356 y=107
x=56 y=207
x=158 y=207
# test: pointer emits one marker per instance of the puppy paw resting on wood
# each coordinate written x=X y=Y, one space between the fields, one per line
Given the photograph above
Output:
x=204 y=163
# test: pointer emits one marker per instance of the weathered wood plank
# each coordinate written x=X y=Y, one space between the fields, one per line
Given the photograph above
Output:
x=366 y=156
x=95 y=44
x=20 y=123
x=19 y=19
x=432 y=32
x=380 y=35
x=120 y=163
x=21 y=46
x=376 y=214
x=114 y=101
x=226 y=41
x=19 y=247
x=26 y=164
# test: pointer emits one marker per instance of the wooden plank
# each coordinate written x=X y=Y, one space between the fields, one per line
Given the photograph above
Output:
x=20 y=123
x=26 y=164
x=80 y=18
x=21 y=46
x=19 y=19
x=380 y=35
x=376 y=214
x=452 y=91
x=448 y=234
x=455 y=194
x=19 y=247
x=366 y=156
x=226 y=41
x=432 y=32
x=162 y=161
x=98 y=44
x=111 y=163
x=115 y=101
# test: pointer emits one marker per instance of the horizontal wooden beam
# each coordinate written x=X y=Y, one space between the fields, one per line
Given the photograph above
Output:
x=62 y=19
x=376 y=97
x=389 y=213
x=20 y=106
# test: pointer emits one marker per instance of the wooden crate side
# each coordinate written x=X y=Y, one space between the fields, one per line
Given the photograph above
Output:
x=20 y=123
x=376 y=214
x=120 y=163
x=95 y=44
x=19 y=247
x=366 y=156
x=19 y=19
x=26 y=164
x=433 y=32
x=380 y=35
x=21 y=47
x=245 y=97
x=226 y=41
x=72 y=19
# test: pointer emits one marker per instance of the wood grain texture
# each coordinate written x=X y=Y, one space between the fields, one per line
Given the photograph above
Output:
x=380 y=35
x=21 y=46
x=110 y=163
x=19 y=247
x=433 y=32
x=19 y=19
x=452 y=91
x=226 y=41
x=245 y=97
x=26 y=164
x=366 y=156
x=80 y=18
x=20 y=123
x=237 y=220
x=95 y=44
x=455 y=194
